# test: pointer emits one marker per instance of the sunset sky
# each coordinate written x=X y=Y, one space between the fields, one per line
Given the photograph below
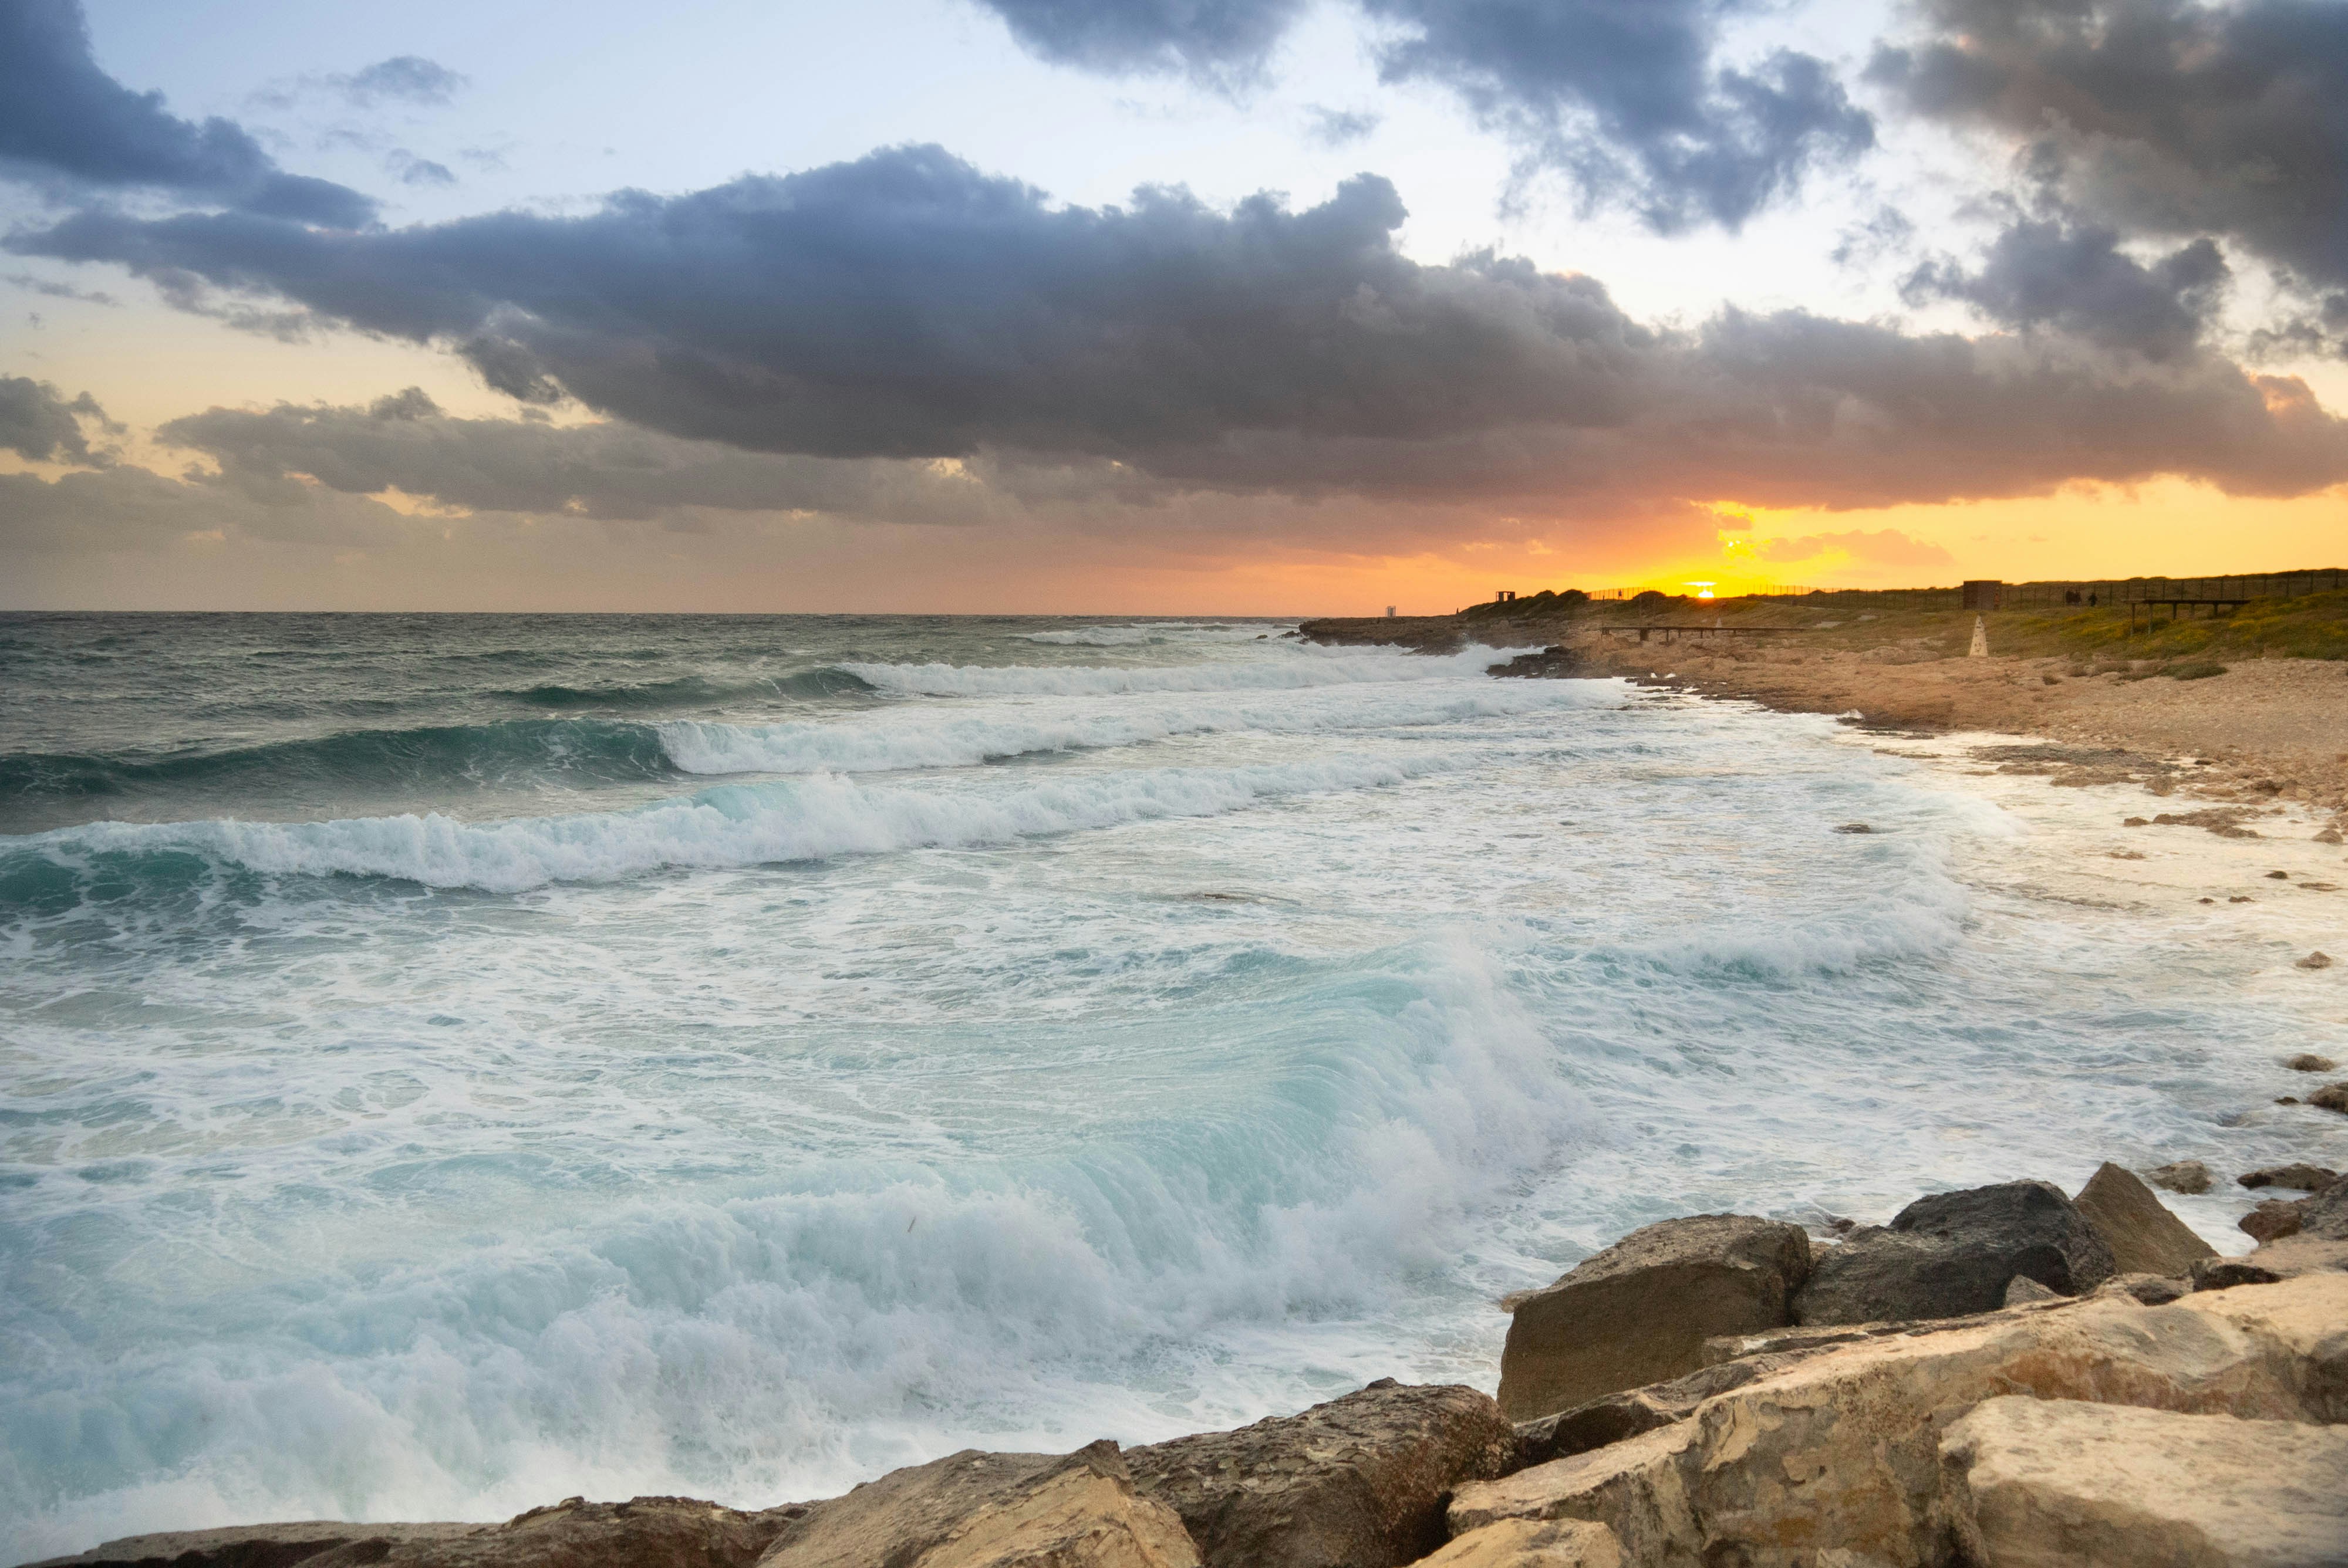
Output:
x=1159 y=306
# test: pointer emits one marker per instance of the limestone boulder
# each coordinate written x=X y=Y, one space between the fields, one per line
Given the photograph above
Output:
x=2143 y=1235
x=1632 y=1411
x=2037 y=1483
x=1533 y=1543
x=974 y=1509
x=1953 y=1254
x=1840 y=1452
x=1358 y=1482
x=1640 y=1311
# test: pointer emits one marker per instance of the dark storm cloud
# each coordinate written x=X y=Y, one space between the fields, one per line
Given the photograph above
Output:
x=406 y=443
x=2040 y=273
x=39 y=425
x=1626 y=97
x=2158 y=117
x=68 y=126
x=906 y=306
x=1623 y=95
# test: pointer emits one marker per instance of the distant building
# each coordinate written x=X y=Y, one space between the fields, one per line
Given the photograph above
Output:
x=1390 y=615
x=1983 y=593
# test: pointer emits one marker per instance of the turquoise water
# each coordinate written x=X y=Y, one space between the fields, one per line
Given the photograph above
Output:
x=452 y=1063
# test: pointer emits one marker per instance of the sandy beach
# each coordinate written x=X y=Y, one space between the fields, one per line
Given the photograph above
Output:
x=2266 y=730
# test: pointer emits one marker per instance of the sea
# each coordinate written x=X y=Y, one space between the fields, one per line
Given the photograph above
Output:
x=450 y=1064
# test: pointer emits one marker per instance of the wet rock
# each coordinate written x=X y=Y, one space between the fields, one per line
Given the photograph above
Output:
x=2324 y=1213
x=2272 y=1219
x=1358 y=1482
x=2147 y=1289
x=1854 y=827
x=972 y=1510
x=2225 y=1273
x=1533 y=1543
x=1640 y=1311
x=1955 y=1253
x=2331 y=1097
x=2115 y=1484
x=1839 y=1453
x=2308 y=1061
x=2143 y=1235
x=2300 y=1178
x=262 y=1546
x=2181 y=1176
x=2315 y=960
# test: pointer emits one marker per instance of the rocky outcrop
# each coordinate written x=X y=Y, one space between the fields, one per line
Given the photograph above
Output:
x=1358 y=1482
x=643 y=1532
x=1640 y=1311
x=974 y=1509
x=1840 y=1450
x=263 y=1545
x=2188 y=1177
x=2301 y=1178
x=2143 y=1235
x=2272 y=1219
x=1533 y=1543
x=2028 y=1481
x=1953 y=1254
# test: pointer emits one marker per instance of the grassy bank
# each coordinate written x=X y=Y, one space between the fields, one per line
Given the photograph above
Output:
x=1932 y=624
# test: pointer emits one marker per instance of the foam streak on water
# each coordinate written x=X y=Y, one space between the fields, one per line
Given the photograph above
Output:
x=917 y=1034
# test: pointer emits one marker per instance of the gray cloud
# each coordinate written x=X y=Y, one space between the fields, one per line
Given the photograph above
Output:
x=2073 y=277
x=1626 y=99
x=414 y=170
x=39 y=425
x=609 y=472
x=907 y=306
x=68 y=126
x=403 y=78
x=1625 y=96
x=2157 y=117
x=1340 y=128
x=1219 y=42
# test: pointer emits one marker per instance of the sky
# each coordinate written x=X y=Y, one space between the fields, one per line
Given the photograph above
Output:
x=1160 y=306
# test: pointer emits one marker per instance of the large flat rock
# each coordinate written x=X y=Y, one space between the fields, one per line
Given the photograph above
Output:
x=1358 y=1482
x=1639 y=1312
x=2046 y=1484
x=1839 y=1451
x=1533 y=1543
x=974 y=1509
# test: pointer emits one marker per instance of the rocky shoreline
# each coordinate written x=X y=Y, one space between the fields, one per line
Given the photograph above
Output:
x=2002 y=1376
x=2259 y=732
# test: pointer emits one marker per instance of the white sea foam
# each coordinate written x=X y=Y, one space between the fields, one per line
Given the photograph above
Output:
x=936 y=737
x=813 y=819
x=1152 y=633
x=1302 y=666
